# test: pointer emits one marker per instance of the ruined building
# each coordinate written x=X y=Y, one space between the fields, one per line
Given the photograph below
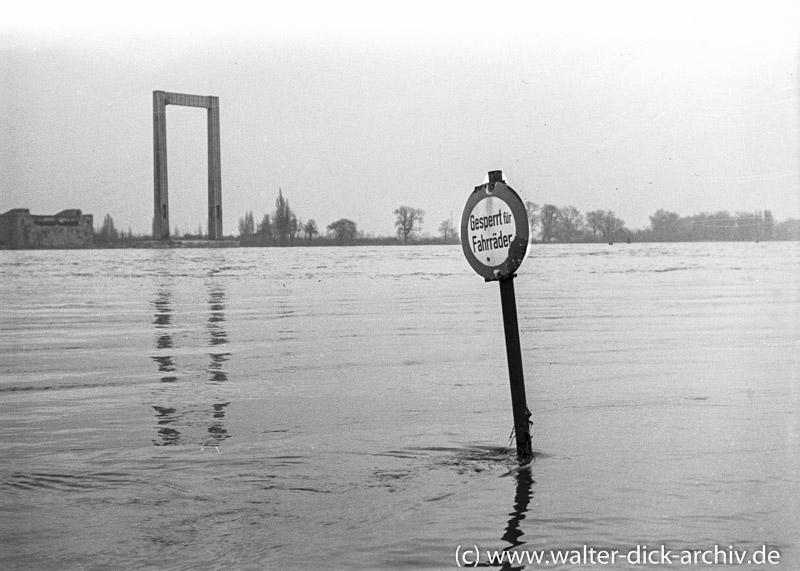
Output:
x=67 y=229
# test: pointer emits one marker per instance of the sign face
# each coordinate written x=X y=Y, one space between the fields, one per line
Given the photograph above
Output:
x=494 y=231
x=491 y=229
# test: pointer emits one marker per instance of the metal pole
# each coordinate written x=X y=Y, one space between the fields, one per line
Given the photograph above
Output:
x=515 y=376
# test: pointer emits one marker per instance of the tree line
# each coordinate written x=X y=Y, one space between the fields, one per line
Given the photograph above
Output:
x=668 y=226
x=281 y=228
x=567 y=224
x=548 y=224
x=284 y=228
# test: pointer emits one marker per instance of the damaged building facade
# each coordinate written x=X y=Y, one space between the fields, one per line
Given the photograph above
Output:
x=19 y=229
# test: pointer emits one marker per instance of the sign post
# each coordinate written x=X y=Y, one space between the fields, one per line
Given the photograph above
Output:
x=494 y=237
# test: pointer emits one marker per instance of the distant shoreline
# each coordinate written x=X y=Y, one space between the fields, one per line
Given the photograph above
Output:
x=322 y=243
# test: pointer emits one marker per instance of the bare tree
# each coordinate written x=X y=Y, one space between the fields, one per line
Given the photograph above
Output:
x=449 y=234
x=594 y=220
x=665 y=225
x=408 y=219
x=310 y=228
x=610 y=225
x=533 y=216
x=344 y=229
x=569 y=224
x=547 y=222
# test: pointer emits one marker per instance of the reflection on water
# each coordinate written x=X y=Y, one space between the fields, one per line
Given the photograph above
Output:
x=513 y=531
x=166 y=416
x=217 y=333
x=178 y=410
x=163 y=322
x=522 y=498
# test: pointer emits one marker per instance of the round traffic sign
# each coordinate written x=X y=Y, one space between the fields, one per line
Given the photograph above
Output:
x=494 y=231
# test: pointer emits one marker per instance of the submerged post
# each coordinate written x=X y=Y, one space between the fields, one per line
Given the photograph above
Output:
x=494 y=238
x=516 y=378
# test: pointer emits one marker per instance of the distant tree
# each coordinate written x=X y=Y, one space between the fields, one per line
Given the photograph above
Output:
x=787 y=230
x=294 y=227
x=533 y=217
x=310 y=229
x=407 y=220
x=610 y=225
x=707 y=226
x=594 y=221
x=265 y=230
x=698 y=226
x=449 y=234
x=282 y=219
x=748 y=226
x=569 y=224
x=722 y=225
x=108 y=232
x=344 y=229
x=547 y=222
x=246 y=225
x=666 y=226
x=769 y=226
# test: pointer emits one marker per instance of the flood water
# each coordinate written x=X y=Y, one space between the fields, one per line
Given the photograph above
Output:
x=349 y=408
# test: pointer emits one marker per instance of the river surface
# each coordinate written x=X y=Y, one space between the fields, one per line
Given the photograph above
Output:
x=349 y=408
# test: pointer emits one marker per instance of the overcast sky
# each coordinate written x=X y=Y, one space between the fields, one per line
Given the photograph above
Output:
x=354 y=109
